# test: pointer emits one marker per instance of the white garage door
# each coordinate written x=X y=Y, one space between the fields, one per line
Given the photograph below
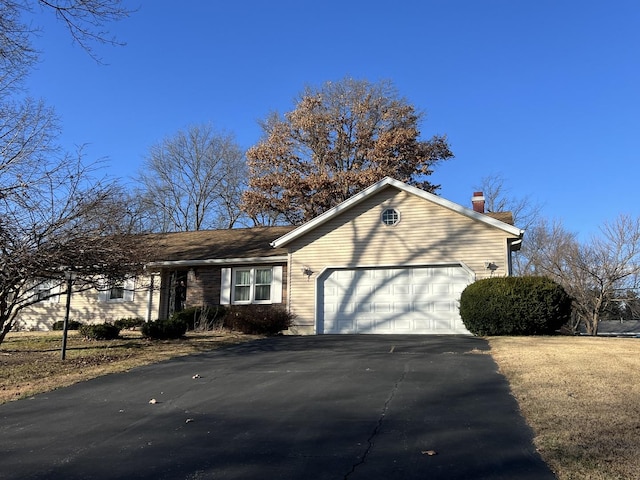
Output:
x=415 y=300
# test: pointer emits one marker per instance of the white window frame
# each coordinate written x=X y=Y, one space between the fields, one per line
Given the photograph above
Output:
x=252 y=285
x=394 y=216
x=48 y=291
x=228 y=285
x=128 y=286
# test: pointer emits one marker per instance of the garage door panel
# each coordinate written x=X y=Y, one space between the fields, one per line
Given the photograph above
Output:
x=401 y=307
x=379 y=307
x=403 y=323
x=363 y=307
x=346 y=326
x=440 y=289
x=446 y=307
x=400 y=289
x=392 y=300
x=364 y=325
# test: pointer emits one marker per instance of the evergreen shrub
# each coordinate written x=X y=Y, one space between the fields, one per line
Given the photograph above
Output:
x=100 y=331
x=515 y=306
x=168 y=329
x=258 y=319
x=128 y=323
x=71 y=325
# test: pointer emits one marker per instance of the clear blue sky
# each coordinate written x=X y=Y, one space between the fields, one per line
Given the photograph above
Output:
x=544 y=93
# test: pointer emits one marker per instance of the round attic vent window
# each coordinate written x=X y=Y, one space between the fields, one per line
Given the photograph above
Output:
x=390 y=217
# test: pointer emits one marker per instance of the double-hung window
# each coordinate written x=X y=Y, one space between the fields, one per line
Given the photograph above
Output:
x=118 y=291
x=244 y=285
x=252 y=285
x=47 y=291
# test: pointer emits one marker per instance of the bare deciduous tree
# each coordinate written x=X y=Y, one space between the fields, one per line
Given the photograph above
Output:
x=53 y=214
x=192 y=181
x=338 y=140
x=61 y=219
x=525 y=211
x=591 y=272
x=85 y=20
x=499 y=198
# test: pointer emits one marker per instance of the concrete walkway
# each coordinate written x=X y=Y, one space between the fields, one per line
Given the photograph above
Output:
x=325 y=407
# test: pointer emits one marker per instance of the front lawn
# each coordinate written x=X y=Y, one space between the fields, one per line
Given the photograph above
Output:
x=581 y=396
x=30 y=361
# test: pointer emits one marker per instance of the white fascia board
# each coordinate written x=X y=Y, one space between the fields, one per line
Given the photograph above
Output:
x=218 y=261
x=376 y=187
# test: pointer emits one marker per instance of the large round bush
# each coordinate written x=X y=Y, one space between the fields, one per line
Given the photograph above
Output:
x=169 y=329
x=99 y=331
x=515 y=306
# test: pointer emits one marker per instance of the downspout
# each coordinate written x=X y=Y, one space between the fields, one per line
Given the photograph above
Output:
x=289 y=282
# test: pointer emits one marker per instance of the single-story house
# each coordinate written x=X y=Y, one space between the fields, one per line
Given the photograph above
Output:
x=391 y=259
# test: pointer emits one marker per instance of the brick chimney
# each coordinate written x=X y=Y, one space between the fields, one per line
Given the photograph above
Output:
x=478 y=202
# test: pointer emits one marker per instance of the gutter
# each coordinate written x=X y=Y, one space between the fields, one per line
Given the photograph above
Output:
x=217 y=261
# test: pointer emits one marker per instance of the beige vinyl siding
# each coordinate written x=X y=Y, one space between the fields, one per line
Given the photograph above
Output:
x=86 y=307
x=427 y=234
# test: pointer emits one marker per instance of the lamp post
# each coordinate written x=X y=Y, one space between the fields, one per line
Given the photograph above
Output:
x=70 y=276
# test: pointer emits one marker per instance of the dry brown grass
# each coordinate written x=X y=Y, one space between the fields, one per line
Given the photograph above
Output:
x=581 y=396
x=30 y=362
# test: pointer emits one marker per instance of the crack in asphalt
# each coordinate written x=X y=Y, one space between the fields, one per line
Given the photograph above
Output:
x=376 y=430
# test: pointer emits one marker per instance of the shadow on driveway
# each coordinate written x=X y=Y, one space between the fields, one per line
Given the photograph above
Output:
x=317 y=407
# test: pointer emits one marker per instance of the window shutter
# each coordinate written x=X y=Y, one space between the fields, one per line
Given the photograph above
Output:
x=56 y=294
x=103 y=294
x=225 y=286
x=276 y=285
x=129 y=289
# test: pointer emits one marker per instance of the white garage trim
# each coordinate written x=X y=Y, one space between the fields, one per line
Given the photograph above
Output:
x=406 y=299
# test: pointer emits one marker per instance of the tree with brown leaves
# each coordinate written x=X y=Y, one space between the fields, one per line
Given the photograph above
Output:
x=339 y=139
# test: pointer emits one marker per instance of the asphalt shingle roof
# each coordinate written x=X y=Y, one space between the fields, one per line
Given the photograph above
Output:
x=506 y=217
x=217 y=244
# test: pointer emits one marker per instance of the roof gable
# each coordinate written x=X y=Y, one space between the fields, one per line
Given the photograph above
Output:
x=389 y=182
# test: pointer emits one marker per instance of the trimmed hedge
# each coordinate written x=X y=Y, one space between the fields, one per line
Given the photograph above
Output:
x=515 y=306
x=258 y=319
x=100 y=331
x=164 y=329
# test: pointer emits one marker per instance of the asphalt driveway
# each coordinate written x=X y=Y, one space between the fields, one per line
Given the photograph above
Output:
x=323 y=407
